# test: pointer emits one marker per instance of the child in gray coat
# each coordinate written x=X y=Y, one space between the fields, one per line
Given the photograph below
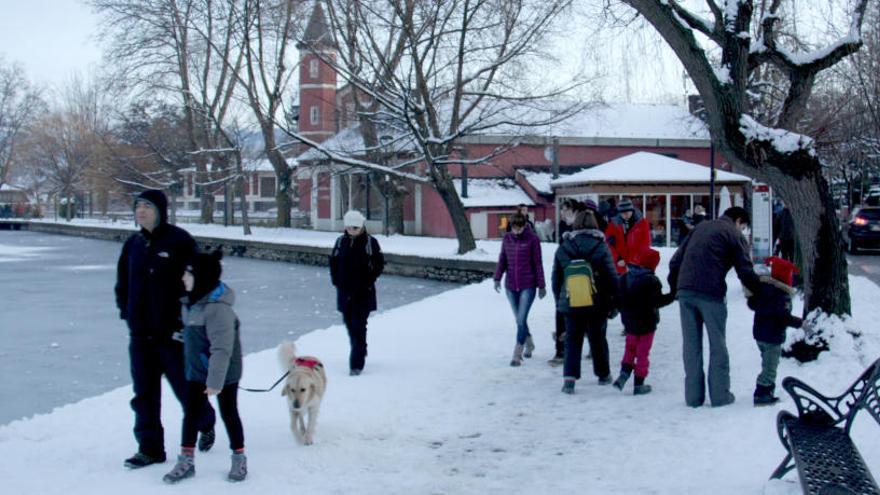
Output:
x=213 y=362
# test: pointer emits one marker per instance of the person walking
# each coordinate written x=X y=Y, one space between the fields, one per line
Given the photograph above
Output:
x=355 y=263
x=584 y=285
x=520 y=260
x=523 y=210
x=641 y=297
x=212 y=346
x=148 y=291
x=567 y=210
x=772 y=307
x=696 y=274
x=628 y=233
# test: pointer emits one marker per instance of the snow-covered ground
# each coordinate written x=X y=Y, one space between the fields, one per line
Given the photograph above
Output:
x=439 y=411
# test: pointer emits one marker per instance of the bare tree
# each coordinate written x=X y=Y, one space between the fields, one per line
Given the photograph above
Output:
x=266 y=31
x=436 y=72
x=156 y=45
x=19 y=103
x=772 y=148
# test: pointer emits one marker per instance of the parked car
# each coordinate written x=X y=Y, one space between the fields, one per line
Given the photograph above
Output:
x=863 y=230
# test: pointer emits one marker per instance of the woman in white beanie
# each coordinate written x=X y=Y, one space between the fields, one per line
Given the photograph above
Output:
x=355 y=263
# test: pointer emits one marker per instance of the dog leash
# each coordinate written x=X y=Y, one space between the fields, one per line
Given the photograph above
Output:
x=267 y=389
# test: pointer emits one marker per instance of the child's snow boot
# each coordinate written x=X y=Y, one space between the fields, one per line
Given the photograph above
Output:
x=625 y=372
x=517 y=355
x=764 y=395
x=568 y=386
x=238 y=470
x=185 y=468
x=529 y=348
x=640 y=387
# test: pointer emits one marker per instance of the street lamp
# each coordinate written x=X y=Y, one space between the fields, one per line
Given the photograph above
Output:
x=388 y=154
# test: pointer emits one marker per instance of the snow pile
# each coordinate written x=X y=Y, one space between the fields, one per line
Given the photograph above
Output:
x=439 y=411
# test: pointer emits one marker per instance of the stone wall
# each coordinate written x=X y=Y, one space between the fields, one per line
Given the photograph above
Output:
x=460 y=271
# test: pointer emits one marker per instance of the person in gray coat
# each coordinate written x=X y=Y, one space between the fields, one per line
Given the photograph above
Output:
x=696 y=274
x=212 y=347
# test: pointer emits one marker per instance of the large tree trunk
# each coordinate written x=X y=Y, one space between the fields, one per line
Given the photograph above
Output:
x=282 y=196
x=444 y=186
x=820 y=250
x=207 y=205
x=394 y=189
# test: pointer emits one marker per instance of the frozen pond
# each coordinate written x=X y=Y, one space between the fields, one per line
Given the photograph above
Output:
x=62 y=337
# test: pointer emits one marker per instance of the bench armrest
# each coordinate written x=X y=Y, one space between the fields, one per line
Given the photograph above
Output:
x=815 y=407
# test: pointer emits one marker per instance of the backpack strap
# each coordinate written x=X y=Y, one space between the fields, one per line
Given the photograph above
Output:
x=587 y=257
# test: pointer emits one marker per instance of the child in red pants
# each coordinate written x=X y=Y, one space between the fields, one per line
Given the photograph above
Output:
x=641 y=297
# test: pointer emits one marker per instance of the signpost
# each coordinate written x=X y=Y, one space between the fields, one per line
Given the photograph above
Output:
x=762 y=222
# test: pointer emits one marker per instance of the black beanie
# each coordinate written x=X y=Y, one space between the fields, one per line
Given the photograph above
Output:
x=158 y=199
x=206 y=270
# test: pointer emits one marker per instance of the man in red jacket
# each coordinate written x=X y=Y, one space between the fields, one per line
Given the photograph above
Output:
x=628 y=234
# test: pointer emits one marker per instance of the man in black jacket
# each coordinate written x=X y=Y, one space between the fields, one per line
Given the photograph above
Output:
x=696 y=274
x=148 y=292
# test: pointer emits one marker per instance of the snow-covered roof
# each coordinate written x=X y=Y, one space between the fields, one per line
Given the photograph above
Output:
x=644 y=167
x=9 y=187
x=630 y=121
x=350 y=142
x=606 y=121
x=493 y=192
x=263 y=165
x=541 y=180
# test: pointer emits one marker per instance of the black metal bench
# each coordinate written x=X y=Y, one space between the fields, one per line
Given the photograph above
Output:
x=818 y=439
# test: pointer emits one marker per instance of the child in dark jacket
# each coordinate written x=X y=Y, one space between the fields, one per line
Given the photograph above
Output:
x=772 y=306
x=641 y=297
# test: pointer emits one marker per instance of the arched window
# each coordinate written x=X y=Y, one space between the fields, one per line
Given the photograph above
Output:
x=313 y=68
x=314 y=115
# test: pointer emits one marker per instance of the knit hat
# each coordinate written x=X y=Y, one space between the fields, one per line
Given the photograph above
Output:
x=159 y=201
x=353 y=218
x=206 y=271
x=625 y=205
x=647 y=258
x=591 y=205
x=782 y=270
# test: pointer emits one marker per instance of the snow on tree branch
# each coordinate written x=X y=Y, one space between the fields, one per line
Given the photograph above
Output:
x=782 y=141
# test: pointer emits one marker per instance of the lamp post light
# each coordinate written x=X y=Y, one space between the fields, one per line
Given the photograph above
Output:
x=388 y=156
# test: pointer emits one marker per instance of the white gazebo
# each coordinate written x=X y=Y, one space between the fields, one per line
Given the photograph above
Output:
x=663 y=188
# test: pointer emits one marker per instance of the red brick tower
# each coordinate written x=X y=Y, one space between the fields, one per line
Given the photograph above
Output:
x=317 y=80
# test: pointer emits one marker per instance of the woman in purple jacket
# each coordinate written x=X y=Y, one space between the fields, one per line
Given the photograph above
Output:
x=521 y=259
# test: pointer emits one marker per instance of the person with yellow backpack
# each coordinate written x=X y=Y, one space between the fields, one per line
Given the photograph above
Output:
x=584 y=283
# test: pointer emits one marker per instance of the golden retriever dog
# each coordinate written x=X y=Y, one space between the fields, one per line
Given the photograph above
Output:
x=304 y=389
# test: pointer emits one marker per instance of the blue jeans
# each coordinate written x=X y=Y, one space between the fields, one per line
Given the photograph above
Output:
x=521 y=302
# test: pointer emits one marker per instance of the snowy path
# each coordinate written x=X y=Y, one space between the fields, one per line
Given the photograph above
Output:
x=439 y=411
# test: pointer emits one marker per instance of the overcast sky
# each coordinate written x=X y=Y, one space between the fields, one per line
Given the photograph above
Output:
x=55 y=38
x=51 y=38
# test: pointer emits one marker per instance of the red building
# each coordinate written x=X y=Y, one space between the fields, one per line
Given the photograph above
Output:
x=519 y=175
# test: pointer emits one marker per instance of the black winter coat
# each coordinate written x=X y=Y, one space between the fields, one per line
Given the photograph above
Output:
x=641 y=297
x=708 y=253
x=772 y=306
x=148 y=280
x=354 y=271
x=588 y=245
